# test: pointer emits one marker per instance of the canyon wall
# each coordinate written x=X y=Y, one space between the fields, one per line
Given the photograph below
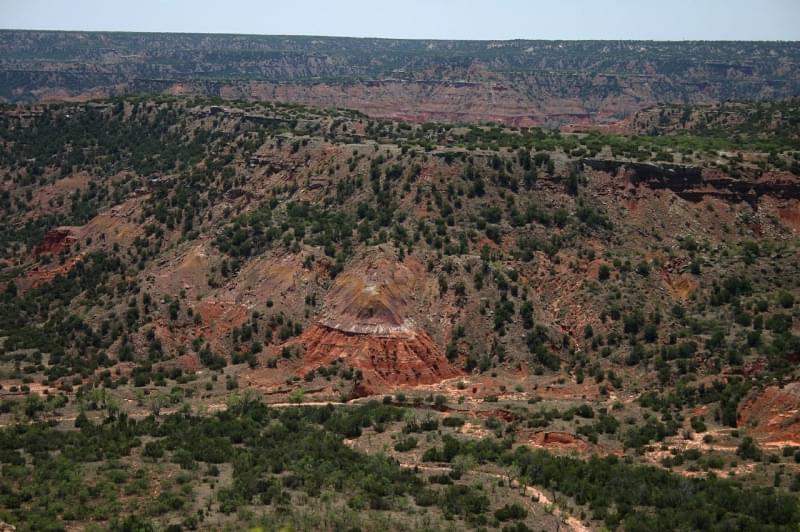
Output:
x=521 y=83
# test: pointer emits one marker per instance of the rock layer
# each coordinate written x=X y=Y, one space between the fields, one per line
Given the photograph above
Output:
x=386 y=362
x=694 y=183
x=517 y=82
x=366 y=323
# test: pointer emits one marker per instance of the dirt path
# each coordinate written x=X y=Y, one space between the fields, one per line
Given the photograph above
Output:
x=573 y=522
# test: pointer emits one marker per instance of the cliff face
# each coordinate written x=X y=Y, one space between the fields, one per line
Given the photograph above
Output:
x=672 y=176
x=515 y=82
x=694 y=183
x=386 y=362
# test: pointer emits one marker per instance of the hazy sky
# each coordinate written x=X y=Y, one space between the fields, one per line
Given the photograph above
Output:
x=442 y=19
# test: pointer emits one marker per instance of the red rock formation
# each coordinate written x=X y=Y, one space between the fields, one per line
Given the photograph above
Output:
x=365 y=322
x=772 y=415
x=559 y=440
x=385 y=361
x=55 y=240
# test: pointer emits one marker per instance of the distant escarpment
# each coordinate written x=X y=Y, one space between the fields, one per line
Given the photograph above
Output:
x=522 y=83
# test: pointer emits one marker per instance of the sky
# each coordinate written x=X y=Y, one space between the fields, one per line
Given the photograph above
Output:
x=423 y=19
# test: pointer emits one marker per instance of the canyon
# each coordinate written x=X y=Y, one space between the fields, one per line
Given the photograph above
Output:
x=521 y=83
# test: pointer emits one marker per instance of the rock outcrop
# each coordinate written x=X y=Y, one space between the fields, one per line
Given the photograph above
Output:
x=55 y=241
x=772 y=415
x=558 y=441
x=693 y=183
x=366 y=323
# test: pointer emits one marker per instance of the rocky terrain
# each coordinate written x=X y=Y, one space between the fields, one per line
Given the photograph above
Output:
x=523 y=83
x=520 y=327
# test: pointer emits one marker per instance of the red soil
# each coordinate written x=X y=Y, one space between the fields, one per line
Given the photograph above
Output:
x=790 y=216
x=772 y=415
x=217 y=320
x=38 y=277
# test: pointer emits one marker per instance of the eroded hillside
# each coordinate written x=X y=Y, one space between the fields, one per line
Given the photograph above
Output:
x=585 y=293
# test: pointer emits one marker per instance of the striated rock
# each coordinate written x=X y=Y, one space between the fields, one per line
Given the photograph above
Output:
x=374 y=301
x=520 y=83
x=366 y=323
x=386 y=361
x=693 y=183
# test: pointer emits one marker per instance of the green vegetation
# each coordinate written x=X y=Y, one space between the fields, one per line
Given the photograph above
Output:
x=307 y=456
x=635 y=497
x=621 y=322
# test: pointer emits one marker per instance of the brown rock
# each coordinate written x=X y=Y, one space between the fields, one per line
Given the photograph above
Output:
x=366 y=323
